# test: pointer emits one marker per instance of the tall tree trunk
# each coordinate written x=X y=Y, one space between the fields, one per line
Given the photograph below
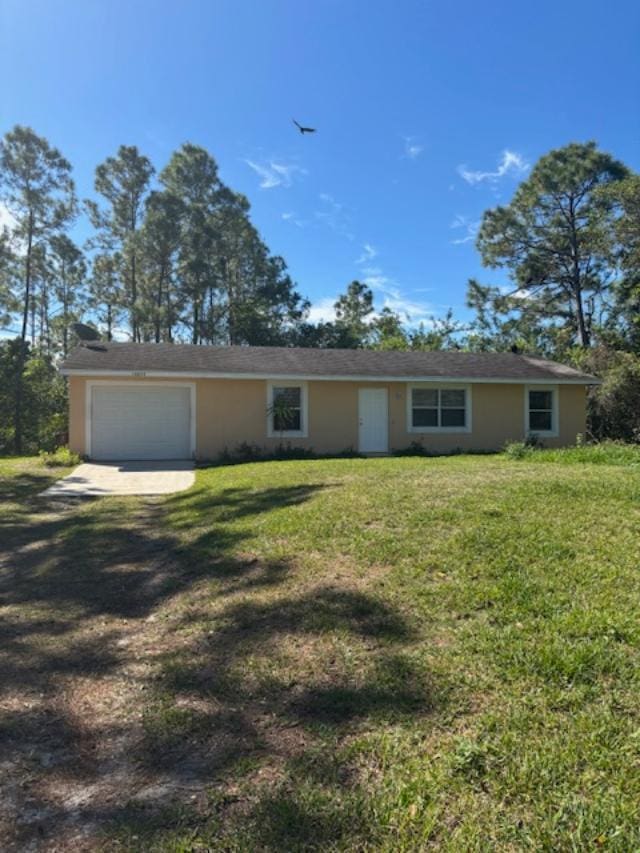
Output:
x=196 y=321
x=17 y=412
x=65 y=312
x=231 y=307
x=169 y=319
x=48 y=329
x=45 y=337
x=65 y=330
x=135 y=332
x=583 y=333
x=32 y=311
x=41 y=318
x=157 y=320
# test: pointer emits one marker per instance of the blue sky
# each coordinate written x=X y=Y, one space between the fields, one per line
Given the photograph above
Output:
x=427 y=114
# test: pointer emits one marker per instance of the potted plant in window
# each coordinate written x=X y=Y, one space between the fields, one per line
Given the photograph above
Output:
x=281 y=414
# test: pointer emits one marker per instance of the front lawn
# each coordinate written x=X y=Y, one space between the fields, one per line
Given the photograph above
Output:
x=381 y=654
x=21 y=477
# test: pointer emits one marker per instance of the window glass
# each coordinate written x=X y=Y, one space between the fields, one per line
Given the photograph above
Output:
x=288 y=418
x=288 y=423
x=541 y=400
x=453 y=418
x=438 y=407
x=451 y=399
x=540 y=421
x=425 y=417
x=540 y=411
x=425 y=397
x=289 y=396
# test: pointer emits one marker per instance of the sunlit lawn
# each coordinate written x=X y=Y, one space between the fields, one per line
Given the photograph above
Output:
x=383 y=654
x=456 y=639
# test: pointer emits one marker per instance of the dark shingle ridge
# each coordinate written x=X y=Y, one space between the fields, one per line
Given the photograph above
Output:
x=309 y=362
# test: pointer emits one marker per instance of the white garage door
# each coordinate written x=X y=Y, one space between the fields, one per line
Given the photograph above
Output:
x=140 y=422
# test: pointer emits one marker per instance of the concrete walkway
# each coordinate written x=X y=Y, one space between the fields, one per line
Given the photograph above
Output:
x=125 y=478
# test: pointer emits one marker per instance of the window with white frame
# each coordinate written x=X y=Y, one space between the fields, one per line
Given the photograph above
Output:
x=434 y=409
x=286 y=409
x=541 y=411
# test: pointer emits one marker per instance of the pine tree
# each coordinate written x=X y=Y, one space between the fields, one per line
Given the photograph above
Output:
x=123 y=181
x=554 y=236
x=37 y=189
x=67 y=271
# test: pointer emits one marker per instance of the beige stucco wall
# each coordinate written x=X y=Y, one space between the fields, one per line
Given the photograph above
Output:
x=230 y=411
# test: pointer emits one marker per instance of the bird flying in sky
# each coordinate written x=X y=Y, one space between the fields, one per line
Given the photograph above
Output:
x=302 y=129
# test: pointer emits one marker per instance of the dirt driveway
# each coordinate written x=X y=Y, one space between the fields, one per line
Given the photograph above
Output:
x=97 y=602
x=81 y=585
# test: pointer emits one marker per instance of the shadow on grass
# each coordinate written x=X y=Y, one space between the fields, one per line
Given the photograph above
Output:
x=236 y=503
x=77 y=581
x=289 y=718
x=96 y=558
x=26 y=484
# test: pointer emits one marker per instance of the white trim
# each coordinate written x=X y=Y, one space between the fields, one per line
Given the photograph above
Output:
x=88 y=402
x=304 y=410
x=442 y=386
x=555 y=412
x=328 y=377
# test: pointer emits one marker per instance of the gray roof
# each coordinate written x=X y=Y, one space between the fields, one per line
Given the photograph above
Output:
x=295 y=361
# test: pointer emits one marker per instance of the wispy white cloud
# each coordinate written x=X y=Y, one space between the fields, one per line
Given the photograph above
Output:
x=369 y=252
x=291 y=216
x=387 y=294
x=333 y=215
x=511 y=163
x=9 y=224
x=377 y=280
x=273 y=174
x=411 y=310
x=519 y=293
x=468 y=227
x=7 y=219
x=414 y=311
x=323 y=311
x=121 y=334
x=412 y=148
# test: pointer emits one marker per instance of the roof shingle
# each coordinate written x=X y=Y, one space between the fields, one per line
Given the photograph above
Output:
x=293 y=361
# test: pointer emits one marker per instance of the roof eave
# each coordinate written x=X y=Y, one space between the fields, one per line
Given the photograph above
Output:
x=329 y=377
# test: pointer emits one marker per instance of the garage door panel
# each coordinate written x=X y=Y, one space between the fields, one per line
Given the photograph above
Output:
x=138 y=422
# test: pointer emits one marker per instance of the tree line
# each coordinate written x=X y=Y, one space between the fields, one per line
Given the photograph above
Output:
x=174 y=256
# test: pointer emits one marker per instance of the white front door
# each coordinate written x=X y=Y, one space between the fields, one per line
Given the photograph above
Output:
x=373 y=413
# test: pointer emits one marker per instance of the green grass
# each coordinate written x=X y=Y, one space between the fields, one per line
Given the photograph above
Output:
x=21 y=477
x=362 y=654
x=604 y=453
x=458 y=639
x=62 y=457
